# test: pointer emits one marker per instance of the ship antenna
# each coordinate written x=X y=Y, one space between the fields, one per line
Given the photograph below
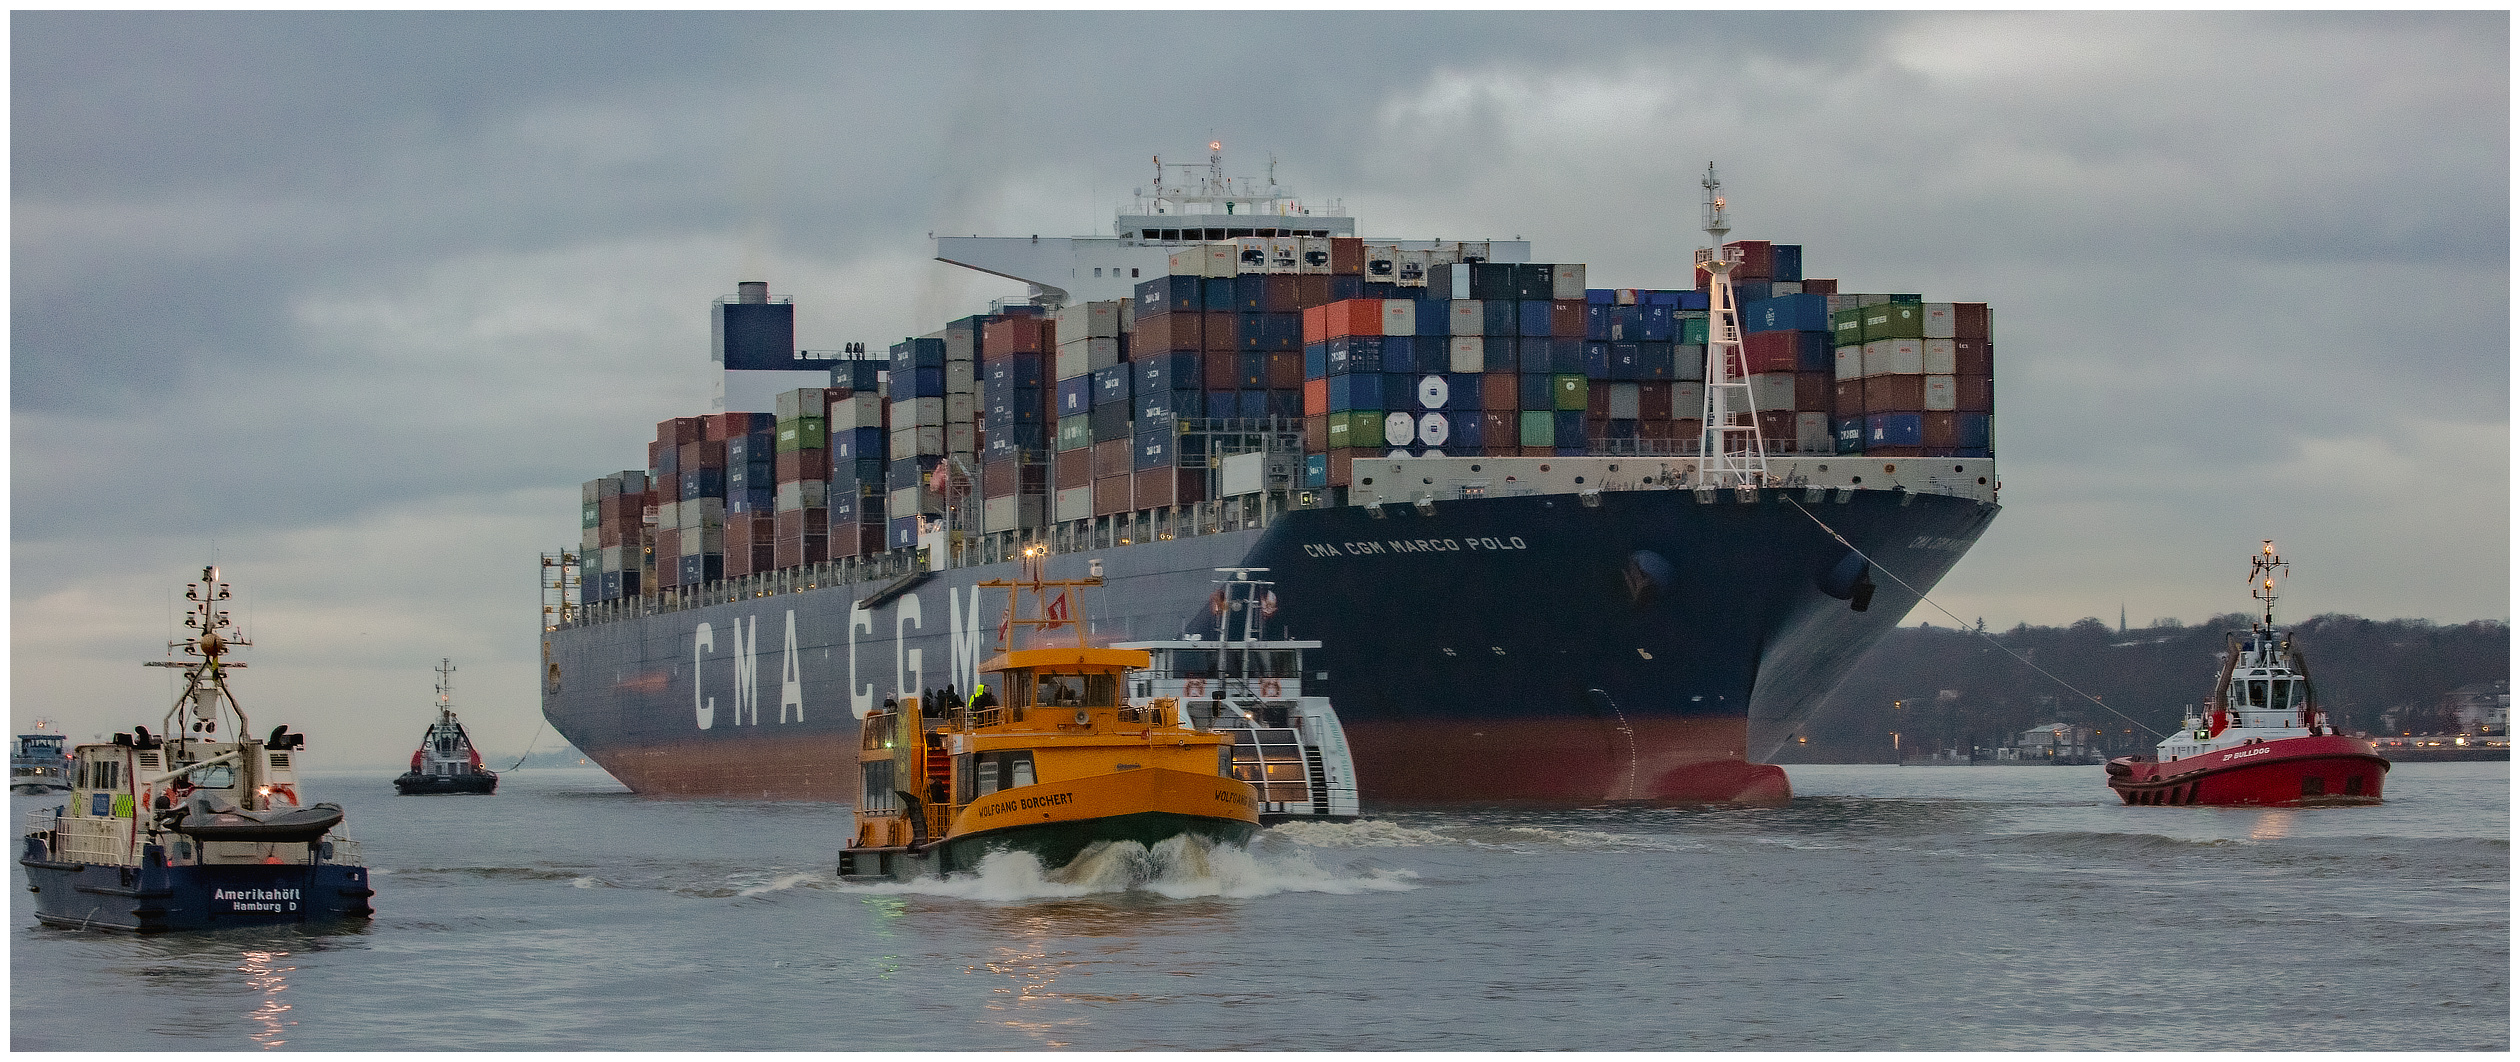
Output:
x=205 y=675
x=2264 y=568
x=445 y=686
x=1729 y=454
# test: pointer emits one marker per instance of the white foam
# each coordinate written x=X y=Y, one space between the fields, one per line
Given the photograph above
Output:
x=584 y=883
x=1362 y=833
x=1179 y=868
x=780 y=883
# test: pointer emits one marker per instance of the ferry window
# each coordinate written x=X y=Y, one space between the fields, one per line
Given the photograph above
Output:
x=987 y=776
x=1102 y=689
x=878 y=776
x=109 y=775
x=1020 y=770
x=964 y=775
x=1058 y=690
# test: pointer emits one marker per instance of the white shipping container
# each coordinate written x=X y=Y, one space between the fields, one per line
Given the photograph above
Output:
x=1567 y=282
x=701 y=513
x=1015 y=512
x=801 y=402
x=1941 y=394
x=962 y=437
x=1623 y=404
x=1075 y=503
x=1811 y=433
x=1873 y=299
x=669 y=514
x=1441 y=256
x=1434 y=392
x=1688 y=361
x=959 y=379
x=911 y=411
x=1894 y=357
x=1433 y=430
x=1840 y=302
x=1220 y=260
x=862 y=409
x=1312 y=254
x=903 y=502
x=1413 y=267
x=962 y=343
x=1251 y=255
x=1785 y=287
x=590 y=539
x=1937 y=320
x=1399 y=429
x=1850 y=362
x=1688 y=400
x=959 y=409
x=1461 y=286
x=1285 y=254
x=1469 y=354
x=1623 y=296
x=1382 y=262
x=803 y=494
x=1081 y=356
x=1399 y=317
x=918 y=440
x=613 y=556
x=1469 y=316
x=1089 y=320
x=1940 y=357
x=708 y=540
x=1772 y=391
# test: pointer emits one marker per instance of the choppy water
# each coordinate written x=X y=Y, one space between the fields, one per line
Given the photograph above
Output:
x=1994 y=908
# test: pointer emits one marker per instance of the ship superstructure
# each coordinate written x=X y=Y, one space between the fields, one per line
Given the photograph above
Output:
x=1483 y=486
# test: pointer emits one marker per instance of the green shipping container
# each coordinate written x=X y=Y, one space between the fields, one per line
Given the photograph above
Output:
x=1076 y=433
x=1361 y=428
x=803 y=433
x=1894 y=320
x=1846 y=327
x=1539 y=427
x=1569 y=390
x=1692 y=330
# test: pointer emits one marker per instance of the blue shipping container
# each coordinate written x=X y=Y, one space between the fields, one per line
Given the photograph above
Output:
x=1537 y=391
x=1500 y=317
x=1216 y=294
x=1076 y=395
x=1786 y=259
x=1534 y=317
x=1154 y=450
x=1786 y=313
x=1111 y=384
x=861 y=375
x=1894 y=429
x=1655 y=324
x=1600 y=296
x=1286 y=402
x=1316 y=470
x=1977 y=432
x=1356 y=391
x=1597 y=321
x=1251 y=403
x=1434 y=317
x=1468 y=432
x=1498 y=354
x=1316 y=361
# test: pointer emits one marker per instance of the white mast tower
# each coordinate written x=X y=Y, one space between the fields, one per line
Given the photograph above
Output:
x=1729 y=454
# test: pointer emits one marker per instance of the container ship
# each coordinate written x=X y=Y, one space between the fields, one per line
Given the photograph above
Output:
x=1559 y=543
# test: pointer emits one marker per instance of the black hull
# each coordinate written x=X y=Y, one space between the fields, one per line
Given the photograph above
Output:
x=1651 y=646
x=433 y=784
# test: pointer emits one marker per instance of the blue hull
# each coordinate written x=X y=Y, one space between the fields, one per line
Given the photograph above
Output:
x=1650 y=646
x=156 y=898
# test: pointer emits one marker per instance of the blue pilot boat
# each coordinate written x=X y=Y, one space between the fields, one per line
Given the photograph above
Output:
x=193 y=828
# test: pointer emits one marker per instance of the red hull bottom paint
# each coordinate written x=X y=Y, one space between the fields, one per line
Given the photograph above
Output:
x=2305 y=770
x=1560 y=762
x=784 y=767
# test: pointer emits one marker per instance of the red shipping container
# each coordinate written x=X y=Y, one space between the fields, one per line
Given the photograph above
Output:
x=1282 y=295
x=1653 y=400
x=656 y=453
x=1111 y=495
x=668 y=546
x=1003 y=336
x=678 y=431
x=1771 y=351
x=1347 y=256
x=1316 y=324
x=1597 y=401
x=1977 y=393
x=1312 y=289
x=1221 y=331
x=1074 y=469
x=1969 y=321
x=1316 y=402
x=1114 y=458
x=707 y=453
x=1972 y=357
x=1341 y=463
x=1819 y=287
x=1776 y=429
x=1653 y=429
x=1169 y=331
x=1894 y=451
x=802 y=466
x=738 y=561
x=1156 y=488
x=1500 y=391
x=669 y=485
x=1566 y=318
x=1848 y=401
x=857 y=540
x=1501 y=428
x=1286 y=369
x=1757 y=259
x=1812 y=392
x=1894 y=394
x=1316 y=426
x=1216 y=369
x=1702 y=279
x=607 y=535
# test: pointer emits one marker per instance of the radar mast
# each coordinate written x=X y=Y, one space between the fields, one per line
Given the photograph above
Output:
x=1729 y=454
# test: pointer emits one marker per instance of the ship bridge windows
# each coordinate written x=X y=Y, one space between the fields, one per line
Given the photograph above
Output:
x=878 y=795
x=989 y=772
x=1062 y=690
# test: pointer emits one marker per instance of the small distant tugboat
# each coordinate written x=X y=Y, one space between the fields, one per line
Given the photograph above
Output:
x=184 y=830
x=1061 y=763
x=1289 y=746
x=2262 y=738
x=446 y=761
x=39 y=765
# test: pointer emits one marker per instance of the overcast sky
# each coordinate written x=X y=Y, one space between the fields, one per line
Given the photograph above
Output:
x=351 y=304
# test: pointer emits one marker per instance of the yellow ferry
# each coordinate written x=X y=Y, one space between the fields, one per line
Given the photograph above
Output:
x=1048 y=759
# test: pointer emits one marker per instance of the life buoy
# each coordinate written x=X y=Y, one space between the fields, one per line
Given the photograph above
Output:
x=279 y=791
x=1194 y=688
x=1268 y=687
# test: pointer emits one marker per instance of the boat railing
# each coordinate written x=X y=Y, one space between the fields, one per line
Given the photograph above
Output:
x=39 y=821
x=940 y=818
x=90 y=840
x=345 y=851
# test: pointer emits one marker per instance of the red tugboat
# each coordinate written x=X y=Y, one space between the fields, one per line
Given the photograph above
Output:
x=2262 y=738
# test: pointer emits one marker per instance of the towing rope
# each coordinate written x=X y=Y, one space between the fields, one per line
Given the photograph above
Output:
x=529 y=746
x=1958 y=623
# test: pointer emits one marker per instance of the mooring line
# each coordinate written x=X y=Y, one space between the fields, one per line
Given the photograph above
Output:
x=546 y=725
x=1959 y=623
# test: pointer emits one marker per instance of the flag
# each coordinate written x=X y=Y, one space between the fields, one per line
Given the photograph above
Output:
x=1006 y=628
x=1216 y=602
x=1268 y=605
x=1056 y=612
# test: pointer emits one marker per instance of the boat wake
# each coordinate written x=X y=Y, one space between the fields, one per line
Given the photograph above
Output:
x=1362 y=833
x=1179 y=868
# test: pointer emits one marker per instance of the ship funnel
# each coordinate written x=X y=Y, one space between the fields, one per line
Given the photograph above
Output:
x=752 y=291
